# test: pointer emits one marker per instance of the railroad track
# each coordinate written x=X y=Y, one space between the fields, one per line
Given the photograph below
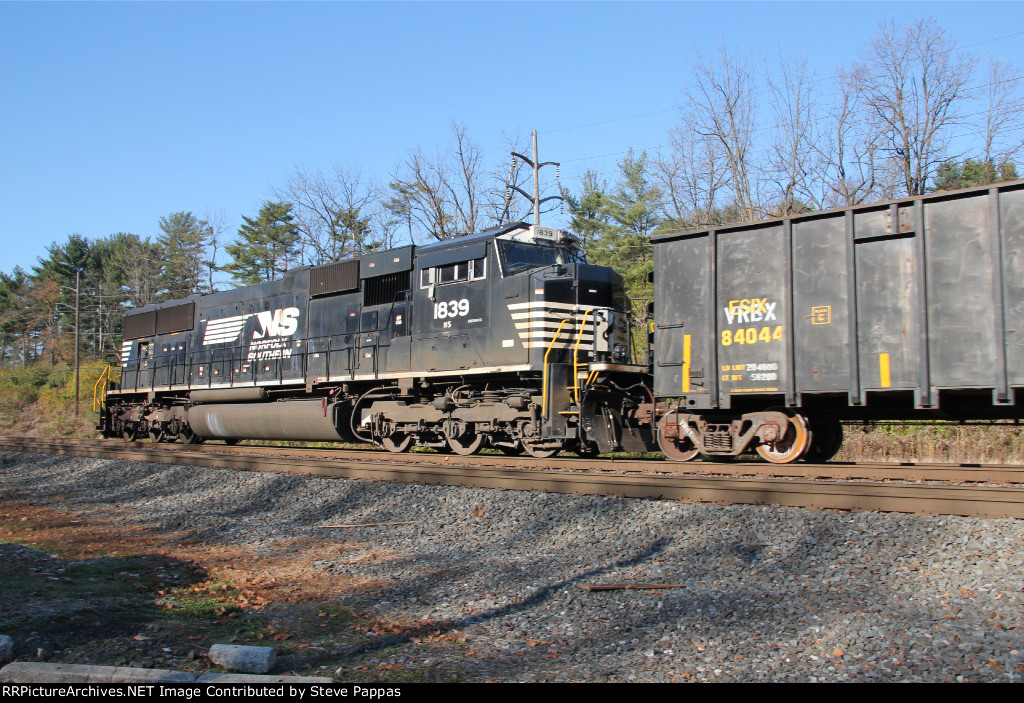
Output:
x=888 y=488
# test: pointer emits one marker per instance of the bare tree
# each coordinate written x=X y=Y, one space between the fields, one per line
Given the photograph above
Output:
x=440 y=195
x=215 y=223
x=914 y=82
x=692 y=177
x=1004 y=115
x=847 y=149
x=332 y=211
x=501 y=204
x=722 y=109
x=791 y=159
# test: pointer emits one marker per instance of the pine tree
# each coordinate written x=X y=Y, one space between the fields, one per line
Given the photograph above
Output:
x=972 y=172
x=589 y=219
x=267 y=245
x=183 y=245
x=633 y=211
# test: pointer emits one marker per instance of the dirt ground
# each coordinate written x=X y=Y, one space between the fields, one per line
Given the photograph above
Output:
x=85 y=590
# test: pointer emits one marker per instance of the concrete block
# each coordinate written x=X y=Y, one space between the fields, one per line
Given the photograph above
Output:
x=244 y=658
x=44 y=672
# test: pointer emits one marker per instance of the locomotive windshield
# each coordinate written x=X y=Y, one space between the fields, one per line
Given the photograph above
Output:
x=520 y=256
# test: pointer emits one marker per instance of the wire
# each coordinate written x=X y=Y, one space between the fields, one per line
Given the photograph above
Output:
x=52 y=373
x=819 y=80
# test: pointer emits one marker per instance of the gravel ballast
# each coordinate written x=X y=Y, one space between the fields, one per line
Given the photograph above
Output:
x=765 y=593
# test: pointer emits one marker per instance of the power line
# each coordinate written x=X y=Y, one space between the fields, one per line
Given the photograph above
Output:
x=673 y=109
x=70 y=369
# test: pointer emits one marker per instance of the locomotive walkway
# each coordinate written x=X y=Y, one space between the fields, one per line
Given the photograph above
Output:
x=953 y=490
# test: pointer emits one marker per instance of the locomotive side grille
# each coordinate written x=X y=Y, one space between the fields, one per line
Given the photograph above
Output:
x=176 y=319
x=334 y=278
x=139 y=325
x=382 y=290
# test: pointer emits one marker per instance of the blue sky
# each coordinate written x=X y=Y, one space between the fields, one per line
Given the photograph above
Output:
x=113 y=115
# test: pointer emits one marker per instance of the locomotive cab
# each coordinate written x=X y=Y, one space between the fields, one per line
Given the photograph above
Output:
x=512 y=334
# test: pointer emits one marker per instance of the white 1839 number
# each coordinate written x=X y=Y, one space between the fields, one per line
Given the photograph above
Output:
x=453 y=308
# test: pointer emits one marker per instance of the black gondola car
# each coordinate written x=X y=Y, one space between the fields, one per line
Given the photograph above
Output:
x=769 y=334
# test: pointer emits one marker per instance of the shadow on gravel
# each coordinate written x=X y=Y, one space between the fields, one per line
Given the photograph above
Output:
x=48 y=603
x=532 y=600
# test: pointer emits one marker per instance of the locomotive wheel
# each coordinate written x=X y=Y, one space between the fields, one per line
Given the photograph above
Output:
x=676 y=451
x=157 y=433
x=792 y=445
x=467 y=444
x=827 y=438
x=189 y=437
x=397 y=442
x=539 y=452
x=130 y=431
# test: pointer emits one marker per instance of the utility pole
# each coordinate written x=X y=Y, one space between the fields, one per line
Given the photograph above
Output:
x=99 y=323
x=536 y=181
x=77 y=274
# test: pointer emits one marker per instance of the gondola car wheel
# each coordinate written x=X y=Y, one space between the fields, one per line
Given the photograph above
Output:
x=792 y=445
x=827 y=438
x=683 y=450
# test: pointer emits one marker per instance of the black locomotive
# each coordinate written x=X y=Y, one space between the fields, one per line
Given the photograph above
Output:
x=506 y=338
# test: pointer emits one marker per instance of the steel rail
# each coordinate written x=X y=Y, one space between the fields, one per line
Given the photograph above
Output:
x=990 y=502
x=950 y=473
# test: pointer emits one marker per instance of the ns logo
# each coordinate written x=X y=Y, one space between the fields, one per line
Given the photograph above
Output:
x=276 y=323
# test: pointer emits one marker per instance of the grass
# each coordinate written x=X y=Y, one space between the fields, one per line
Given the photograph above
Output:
x=94 y=589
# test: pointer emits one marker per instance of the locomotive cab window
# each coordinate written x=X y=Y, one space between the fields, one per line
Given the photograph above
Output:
x=473 y=270
x=520 y=256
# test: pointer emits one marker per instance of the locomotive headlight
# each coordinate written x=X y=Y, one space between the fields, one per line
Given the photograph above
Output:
x=619 y=353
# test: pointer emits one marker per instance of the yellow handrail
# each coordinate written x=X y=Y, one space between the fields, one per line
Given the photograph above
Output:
x=99 y=398
x=576 y=357
x=544 y=377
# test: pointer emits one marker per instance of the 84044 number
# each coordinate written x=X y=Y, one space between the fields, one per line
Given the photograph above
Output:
x=751 y=335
